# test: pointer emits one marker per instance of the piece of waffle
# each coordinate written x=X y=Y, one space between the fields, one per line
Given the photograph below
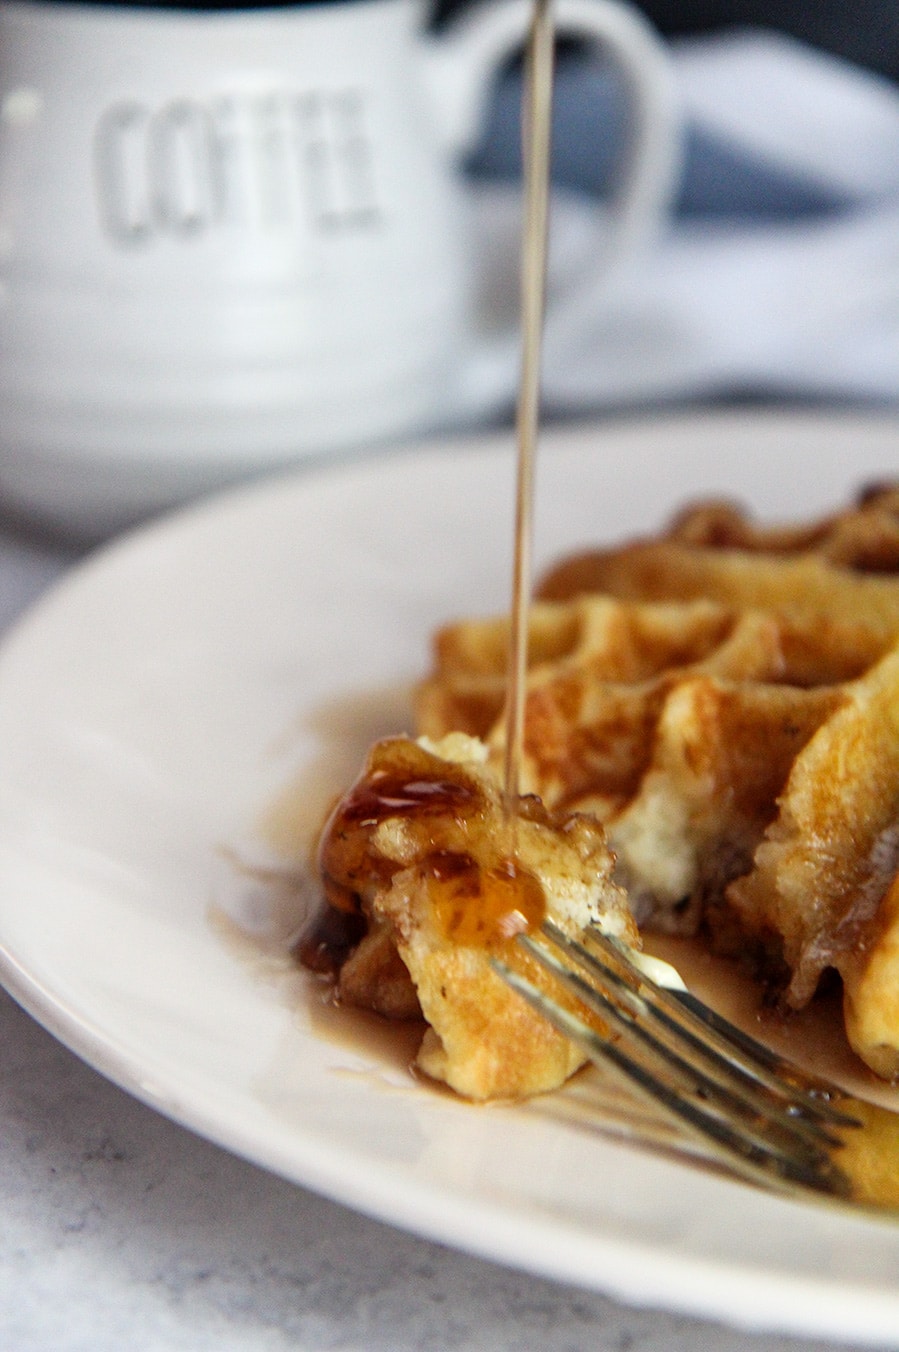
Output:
x=824 y=880
x=722 y=697
x=426 y=878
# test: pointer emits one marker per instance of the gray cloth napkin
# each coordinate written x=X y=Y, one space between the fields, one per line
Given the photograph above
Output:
x=775 y=270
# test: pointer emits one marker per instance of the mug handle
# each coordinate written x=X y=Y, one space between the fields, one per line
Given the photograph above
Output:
x=461 y=62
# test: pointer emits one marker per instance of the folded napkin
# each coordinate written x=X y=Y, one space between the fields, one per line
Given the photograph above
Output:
x=774 y=271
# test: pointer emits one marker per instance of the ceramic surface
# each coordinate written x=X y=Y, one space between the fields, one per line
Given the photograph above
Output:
x=166 y=697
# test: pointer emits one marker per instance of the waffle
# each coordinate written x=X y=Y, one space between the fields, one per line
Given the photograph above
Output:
x=825 y=877
x=426 y=879
x=864 y=537
x=725 y=699
x=839 y=566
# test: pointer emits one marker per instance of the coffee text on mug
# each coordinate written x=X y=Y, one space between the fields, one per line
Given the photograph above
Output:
x=265 y=161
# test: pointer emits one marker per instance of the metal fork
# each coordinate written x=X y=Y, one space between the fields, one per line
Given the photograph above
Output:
x=763 y=1117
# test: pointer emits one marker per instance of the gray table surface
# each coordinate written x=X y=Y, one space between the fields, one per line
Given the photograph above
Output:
x=120 y=1230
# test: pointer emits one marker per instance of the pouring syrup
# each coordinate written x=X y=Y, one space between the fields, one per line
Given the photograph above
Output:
x=536 y=135
x=508 y=898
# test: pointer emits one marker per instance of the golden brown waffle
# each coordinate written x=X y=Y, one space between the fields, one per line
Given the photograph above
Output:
x=864 y=537
x=427 y=878
x=838 y=568
x=825 y=878
x=725 y=698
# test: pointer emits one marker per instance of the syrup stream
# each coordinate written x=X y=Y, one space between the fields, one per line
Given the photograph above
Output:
x=536 y=132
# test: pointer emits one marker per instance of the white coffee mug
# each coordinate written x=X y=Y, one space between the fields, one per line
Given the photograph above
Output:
x=231 y=239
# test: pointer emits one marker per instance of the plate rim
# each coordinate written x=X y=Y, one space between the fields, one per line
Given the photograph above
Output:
x=93 y=1047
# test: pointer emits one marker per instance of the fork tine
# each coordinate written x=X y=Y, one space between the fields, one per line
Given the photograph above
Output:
x=806 y=1092
x=759 y=1142
x=802 y=1095
x=706 y=1075
x=751 y=1156
x=723 y=1085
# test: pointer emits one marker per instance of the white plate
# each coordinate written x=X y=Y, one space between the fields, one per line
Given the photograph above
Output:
x=159 y=701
